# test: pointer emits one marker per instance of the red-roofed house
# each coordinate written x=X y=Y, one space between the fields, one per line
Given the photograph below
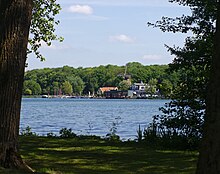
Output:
x=102 y=90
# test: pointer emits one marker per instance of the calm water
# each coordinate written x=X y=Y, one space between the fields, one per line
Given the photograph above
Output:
x=88 y=116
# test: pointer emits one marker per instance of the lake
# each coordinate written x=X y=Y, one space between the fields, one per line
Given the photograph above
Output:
x=88 y=116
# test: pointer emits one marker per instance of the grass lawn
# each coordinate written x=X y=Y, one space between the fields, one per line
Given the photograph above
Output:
x=96 y=156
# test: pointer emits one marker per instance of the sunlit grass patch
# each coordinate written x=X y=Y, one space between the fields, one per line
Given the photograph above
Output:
x=90 y=155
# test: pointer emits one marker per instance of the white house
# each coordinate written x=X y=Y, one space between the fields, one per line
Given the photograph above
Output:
x=138 y=86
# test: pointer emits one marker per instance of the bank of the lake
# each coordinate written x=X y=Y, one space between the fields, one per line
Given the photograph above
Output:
x=88 y=155
x=89 y=116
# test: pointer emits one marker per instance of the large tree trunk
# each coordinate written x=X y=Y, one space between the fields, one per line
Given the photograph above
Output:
x=15 y=19
x=209 y=158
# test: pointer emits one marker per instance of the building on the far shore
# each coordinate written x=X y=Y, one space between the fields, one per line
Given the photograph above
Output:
x=136 y=91
x=101 y=91
x=115 y=94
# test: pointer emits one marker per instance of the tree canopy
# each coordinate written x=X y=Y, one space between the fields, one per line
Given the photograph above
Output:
x=42 y=30
x=194 y=111
x=89 y=80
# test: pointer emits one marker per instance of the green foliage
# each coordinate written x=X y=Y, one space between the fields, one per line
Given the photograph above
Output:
x=124 y=85
x=143 y=73
x=112 y=135
x=166 y=88
x=31 y=87
x=139 y=134
x=150 y=134
x=85 y=80
x=67 y=133
x=67 y=88
x=151 y=87
x=55 y=87
x=27 y=92
x=28 y=132
x=78 y=85
x=167 y=134
x=182 y=119
x=201 y=21
x=51 y=134
x=43 y=25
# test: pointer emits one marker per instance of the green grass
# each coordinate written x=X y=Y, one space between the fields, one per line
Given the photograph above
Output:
x=96 y=156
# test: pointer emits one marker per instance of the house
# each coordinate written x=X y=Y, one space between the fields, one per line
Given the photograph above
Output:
x=138 y=86
x=114 y=94
x=102 y=90
x=137 y=90
x=137 y=94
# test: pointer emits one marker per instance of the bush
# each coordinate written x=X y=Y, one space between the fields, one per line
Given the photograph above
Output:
x=51 y=134
x=28 y=132
x=161 y=135
x=139 y=134
x=67 y=133
x=112 y=136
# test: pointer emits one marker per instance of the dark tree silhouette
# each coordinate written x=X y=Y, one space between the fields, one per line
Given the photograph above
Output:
x=209 y=158
x=15 y=20
x=18 y=18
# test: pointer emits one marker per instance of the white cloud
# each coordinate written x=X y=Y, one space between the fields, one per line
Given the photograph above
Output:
x=81 y=9
x=122 y=38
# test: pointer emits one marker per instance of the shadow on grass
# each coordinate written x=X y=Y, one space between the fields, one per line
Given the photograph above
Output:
x=96 y=156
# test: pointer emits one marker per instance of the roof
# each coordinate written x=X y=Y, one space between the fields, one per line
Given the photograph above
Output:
x=104 y=89
x=139 y=84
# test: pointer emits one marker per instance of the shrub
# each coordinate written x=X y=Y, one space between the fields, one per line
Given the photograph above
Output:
x=160 y=134
x=112 y=136
x=139 y=134
x=51 y=134
x=67 y=133
x=27 y=132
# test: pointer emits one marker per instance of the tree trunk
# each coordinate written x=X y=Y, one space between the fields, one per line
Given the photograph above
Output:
x=15 y=19
x=209 y=158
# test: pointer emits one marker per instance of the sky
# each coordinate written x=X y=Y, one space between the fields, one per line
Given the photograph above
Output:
x=102 y=32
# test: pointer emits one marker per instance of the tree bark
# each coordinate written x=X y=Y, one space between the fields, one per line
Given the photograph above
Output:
x=209 y=158
x=15 y=20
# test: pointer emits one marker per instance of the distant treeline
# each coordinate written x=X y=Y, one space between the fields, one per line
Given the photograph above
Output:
x=82 y=81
